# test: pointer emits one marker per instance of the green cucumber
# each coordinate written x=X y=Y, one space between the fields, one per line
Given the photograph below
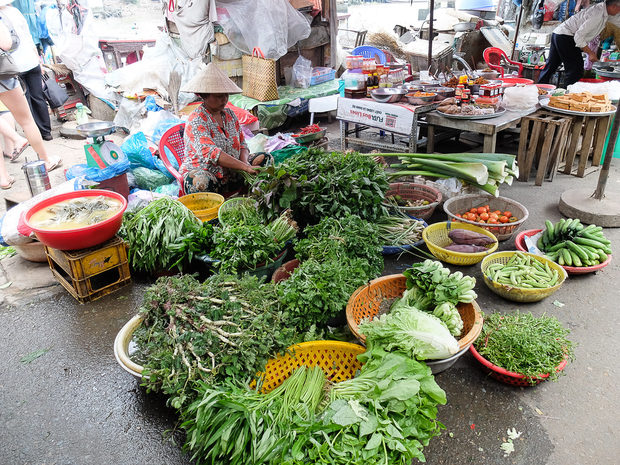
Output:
x=577 y=250
x=567 y=257
x=591 y=242
x=549 y=231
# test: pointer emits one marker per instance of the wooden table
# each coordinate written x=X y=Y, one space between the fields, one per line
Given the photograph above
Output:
x=487 y=127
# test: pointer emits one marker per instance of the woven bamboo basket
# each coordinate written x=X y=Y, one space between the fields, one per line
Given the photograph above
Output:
x=413 y=191
x=368 y=302
x=436 y=238
x=463 y=203
x=520 y=294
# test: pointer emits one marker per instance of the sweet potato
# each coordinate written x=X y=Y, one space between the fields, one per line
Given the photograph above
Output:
x=464 y=236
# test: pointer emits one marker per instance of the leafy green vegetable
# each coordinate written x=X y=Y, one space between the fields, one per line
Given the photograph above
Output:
x=6 y=252
x=385 y=415
x=414 y=332
x=235 y=425
x=523 y=343
x=222 y=328
x=316 y=184
x=342 y=240
x=317 y=291
x=163 y=235
x=449 y=315
x=32 y=356
x=243 y=247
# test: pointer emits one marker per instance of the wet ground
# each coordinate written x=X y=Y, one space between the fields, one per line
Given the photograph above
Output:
x=75 y=405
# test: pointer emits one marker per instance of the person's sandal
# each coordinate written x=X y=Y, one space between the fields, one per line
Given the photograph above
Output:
x=18 y=152
x=52 y=165
x=9 y=185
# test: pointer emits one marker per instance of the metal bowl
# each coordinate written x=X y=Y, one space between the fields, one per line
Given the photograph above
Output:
x=388 y=94
x=98 y=129
x=421 y=100
x=442 y=92
x=426 y=83
x=409 y=87
x=487 y=74
x=464 y=27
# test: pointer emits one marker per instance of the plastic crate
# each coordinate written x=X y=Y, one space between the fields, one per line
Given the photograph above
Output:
x=89 y=274
x=321 y=75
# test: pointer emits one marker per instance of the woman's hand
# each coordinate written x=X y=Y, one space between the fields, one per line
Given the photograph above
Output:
x=250 y=169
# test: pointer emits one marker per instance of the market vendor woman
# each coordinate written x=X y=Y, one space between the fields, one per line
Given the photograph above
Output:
x=215 y=150
x=572 y=37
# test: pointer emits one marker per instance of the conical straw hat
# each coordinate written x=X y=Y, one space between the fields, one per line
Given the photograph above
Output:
x=211 y=80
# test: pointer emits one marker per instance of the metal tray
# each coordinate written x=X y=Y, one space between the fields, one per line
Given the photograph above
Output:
x=489 y=116
x=545 y=104
x=310 y=137
x=102 y=128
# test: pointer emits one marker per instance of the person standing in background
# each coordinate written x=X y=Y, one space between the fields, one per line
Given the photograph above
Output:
x=27 y=60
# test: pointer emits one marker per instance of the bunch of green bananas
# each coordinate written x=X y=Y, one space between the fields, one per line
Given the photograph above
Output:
x=570 y=243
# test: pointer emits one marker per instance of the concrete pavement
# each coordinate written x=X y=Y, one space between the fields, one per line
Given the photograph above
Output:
x=75 y=405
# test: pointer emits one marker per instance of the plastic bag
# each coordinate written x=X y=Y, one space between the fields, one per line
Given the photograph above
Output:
x=97 y=174
x=244 y=116
x=136 y=147
x=520 y=98
x=150 y=105
x=171 y=189
x=149 y=179
x=302 y=72
x=257 y=143
x=272 y=25
x=162 y=127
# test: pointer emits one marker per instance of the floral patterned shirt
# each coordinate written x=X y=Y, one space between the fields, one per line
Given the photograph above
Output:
x=205 y=140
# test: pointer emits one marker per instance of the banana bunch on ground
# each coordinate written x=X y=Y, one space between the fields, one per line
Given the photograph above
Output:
x=570 y=243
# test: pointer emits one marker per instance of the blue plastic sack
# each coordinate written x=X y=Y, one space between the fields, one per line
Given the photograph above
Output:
x=163 y=126
x=171 y=189
x=97 y=174
x=150 y=105
x=136 y=147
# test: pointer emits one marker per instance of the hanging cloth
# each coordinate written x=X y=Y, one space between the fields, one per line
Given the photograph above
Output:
x=194 y=19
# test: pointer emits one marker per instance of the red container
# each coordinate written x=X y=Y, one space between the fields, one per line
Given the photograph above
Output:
x=513 y=81
x=78 y=238
x=510 y=377
x=591 y=80
x=285 y=271
x=520 y=245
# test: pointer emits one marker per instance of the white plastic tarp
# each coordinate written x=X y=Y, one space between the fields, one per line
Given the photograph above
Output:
x=271 y=25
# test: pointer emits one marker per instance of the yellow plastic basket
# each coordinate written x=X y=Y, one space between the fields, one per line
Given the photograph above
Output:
x=337 y=359
x=436 y=238
x=520 y=294
x=204 y=205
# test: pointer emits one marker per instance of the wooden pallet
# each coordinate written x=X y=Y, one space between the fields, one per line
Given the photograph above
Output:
x=587 y=139
x=544 y=138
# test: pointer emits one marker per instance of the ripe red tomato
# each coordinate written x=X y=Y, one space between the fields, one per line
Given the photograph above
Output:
x=503 y=219
x=484 y=216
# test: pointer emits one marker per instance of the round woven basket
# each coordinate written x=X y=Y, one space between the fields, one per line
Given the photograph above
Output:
x=436 y=238
x=367 y=302
x=464 y=203
x=412 y=191
x=203 y=204
x=520 y=294
x=510 y=377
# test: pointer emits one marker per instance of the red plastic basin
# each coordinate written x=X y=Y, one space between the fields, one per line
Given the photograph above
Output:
x=513 y=81
x=78 y=238
x=520 y=245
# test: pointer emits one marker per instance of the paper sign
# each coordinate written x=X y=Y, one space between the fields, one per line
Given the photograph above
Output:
x=530 y=243
x=387 y=116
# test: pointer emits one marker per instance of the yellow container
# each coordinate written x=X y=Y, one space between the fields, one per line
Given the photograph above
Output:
x=436 y=238
x=203 y=204
x=520 y=294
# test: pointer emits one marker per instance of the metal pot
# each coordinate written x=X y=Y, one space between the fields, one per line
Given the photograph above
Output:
x=421 y=100
x=36 y=176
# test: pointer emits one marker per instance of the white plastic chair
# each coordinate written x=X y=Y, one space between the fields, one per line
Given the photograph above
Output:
x=322 y=105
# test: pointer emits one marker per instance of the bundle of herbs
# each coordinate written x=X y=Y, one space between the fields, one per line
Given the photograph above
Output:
x=316 y=184
x=223 y=328
x=165 y=234
x=245 y=246
x=525 y=344
x=234 y=424
x=337 y=256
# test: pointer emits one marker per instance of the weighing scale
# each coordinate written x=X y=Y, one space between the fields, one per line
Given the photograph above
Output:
x=100 y=153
